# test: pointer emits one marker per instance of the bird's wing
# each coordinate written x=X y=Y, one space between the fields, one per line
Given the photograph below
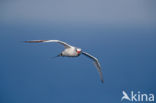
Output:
x=97 y=64
x=58 y=41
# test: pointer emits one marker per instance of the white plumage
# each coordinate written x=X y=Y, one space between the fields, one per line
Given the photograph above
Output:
x=71 y=51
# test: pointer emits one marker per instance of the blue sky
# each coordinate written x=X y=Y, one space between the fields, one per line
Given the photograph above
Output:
x=121 y=34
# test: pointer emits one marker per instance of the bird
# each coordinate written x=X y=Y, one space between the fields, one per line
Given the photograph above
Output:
x=72 y=51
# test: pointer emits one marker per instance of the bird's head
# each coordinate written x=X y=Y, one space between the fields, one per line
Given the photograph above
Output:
x=78 y=50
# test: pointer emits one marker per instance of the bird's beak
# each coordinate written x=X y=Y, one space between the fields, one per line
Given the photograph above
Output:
x=78 y=52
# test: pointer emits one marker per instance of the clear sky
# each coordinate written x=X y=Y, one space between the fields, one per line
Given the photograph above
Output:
x=120 y=33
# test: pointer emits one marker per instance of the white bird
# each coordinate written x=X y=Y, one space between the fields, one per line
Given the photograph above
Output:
x=71 y=51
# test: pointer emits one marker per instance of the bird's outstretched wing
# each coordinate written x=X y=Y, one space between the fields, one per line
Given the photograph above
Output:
x=97 y=64
x=58 y=41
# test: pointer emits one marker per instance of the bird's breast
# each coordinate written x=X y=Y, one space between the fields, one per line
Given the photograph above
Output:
x=69 y=52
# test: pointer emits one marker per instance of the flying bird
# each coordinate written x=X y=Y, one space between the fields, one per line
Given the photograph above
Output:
x=72 y=51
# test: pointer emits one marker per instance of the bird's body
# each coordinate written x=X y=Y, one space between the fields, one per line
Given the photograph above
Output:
x=71 y=51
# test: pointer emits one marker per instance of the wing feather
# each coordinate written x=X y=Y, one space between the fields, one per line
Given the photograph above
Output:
x=58 y=41
x=97 y=64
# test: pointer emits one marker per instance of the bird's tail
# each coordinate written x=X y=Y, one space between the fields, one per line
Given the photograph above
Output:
x=57 y=56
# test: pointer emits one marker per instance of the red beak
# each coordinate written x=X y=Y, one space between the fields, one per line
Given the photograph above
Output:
x=78 y=52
